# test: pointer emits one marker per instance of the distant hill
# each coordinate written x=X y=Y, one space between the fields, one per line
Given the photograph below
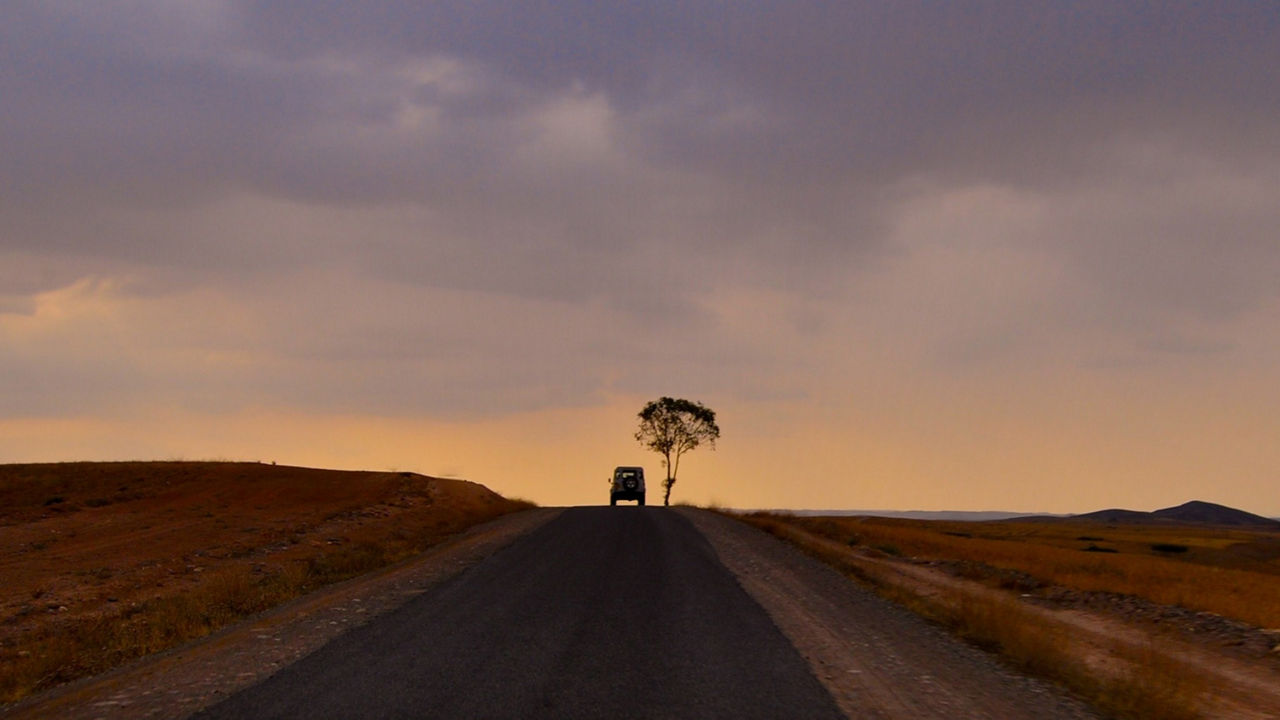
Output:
x=1208 y=513
x=1196 y=512
x=951 y=515
x=1116 y=515
x=1192 y=513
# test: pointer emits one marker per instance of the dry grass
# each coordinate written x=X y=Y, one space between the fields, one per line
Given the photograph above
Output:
x=88 y=646
x=1234 y=573
x=1123 y=680
x=132 y=558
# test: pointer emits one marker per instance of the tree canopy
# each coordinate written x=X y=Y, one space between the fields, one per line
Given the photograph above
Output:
x=673 y=426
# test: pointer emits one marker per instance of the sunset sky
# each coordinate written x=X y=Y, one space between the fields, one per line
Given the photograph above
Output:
x=1018 y=255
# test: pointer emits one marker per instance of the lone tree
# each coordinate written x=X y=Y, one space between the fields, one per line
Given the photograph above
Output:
x=673 y=426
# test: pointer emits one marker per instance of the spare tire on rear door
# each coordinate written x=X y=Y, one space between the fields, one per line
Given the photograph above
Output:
x=627 y=484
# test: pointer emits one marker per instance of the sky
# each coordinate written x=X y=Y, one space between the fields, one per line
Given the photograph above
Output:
x=1016 y=255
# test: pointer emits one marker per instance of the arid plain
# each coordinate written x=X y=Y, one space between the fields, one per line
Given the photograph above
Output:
x=105 y=562
x=1166 y=615
x=1171 y=616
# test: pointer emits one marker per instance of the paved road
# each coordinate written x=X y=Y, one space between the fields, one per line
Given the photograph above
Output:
x=602 y=613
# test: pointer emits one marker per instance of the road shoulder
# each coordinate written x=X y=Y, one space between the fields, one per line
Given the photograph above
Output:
x=876 y=659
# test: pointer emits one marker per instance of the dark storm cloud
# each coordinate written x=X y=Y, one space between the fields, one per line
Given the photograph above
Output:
x=815 y=93
x=644 y=160
x=298 y=98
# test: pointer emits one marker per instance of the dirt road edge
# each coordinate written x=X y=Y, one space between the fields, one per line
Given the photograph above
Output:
x=876 y=659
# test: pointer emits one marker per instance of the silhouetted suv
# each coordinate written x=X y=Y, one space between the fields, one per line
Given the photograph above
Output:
x=627 y=484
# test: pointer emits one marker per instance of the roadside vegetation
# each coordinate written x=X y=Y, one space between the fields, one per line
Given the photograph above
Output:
x=1001 y=565
x=107 y=562
x=1234 y=573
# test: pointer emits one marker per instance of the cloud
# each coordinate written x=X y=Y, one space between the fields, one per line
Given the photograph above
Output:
x=336 y=342
x=817 y=92
x=966 y=251
x=510 y=203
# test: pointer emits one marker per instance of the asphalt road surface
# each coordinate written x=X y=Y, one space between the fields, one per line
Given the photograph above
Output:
x=603 y=613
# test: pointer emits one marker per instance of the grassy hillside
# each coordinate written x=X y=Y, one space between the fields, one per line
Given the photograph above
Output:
x=103 y=562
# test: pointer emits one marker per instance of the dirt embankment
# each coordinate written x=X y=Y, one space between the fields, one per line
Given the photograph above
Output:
x=104 y=562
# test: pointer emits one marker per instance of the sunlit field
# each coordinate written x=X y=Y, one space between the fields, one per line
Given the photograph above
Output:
x=1234 y=573
x=106 y=562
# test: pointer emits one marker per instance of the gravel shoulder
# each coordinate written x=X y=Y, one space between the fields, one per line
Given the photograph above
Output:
x=876 y=659
x=179 y=682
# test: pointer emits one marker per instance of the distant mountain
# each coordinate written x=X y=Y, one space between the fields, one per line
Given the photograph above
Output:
x=1196 y=512
x=1208 y=513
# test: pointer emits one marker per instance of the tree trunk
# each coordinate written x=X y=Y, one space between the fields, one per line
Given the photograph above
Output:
x=671 y=476
x=666 y=484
